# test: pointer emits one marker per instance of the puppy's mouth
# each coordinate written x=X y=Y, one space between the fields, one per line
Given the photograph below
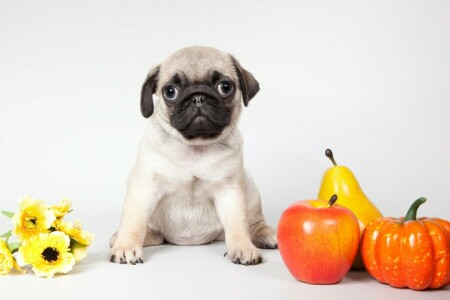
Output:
x=201 y=127
x=199 y=120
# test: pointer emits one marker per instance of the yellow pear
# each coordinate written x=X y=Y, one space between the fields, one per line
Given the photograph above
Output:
x=340 y=180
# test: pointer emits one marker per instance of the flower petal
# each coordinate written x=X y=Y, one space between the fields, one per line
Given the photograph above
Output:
x=6 y=258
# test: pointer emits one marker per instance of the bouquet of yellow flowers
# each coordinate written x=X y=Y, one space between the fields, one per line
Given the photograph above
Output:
x=44 y=240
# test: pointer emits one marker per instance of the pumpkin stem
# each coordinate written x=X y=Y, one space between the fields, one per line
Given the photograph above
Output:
x=411 y=215
x=333 y=199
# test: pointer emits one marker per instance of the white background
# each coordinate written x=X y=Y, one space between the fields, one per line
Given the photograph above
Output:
x=368 y=79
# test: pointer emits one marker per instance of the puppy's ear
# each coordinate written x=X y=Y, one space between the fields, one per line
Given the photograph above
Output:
x=148 y=88
x=248 y=83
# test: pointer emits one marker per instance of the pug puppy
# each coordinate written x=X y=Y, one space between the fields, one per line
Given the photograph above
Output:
x=189 y=185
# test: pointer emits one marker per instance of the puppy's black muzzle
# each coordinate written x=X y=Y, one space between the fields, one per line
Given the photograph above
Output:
x=200 y=113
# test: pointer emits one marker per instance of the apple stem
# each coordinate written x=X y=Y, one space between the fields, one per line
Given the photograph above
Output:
x=329 y=154
x=411 y=215
x=333 y=200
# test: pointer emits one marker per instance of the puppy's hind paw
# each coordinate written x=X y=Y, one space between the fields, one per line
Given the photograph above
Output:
x=265 y=238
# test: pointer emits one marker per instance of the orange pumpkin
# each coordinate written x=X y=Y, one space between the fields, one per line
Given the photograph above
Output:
x=408 y=252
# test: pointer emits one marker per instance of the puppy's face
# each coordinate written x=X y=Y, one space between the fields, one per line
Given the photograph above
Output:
x=199 y=92
x=199 y=109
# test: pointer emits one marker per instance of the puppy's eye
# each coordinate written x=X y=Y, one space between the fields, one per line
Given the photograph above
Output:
x=170 y=92
x=225 y=88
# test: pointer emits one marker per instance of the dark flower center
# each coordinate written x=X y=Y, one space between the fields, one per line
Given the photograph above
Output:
x=50 y=254
x=31 y=223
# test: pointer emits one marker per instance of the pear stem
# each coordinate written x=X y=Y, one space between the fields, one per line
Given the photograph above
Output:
x=329 y=154
x=333 y=200
x=411 y=215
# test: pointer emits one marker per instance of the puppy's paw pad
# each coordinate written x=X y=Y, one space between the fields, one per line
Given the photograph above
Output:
x=245 y=255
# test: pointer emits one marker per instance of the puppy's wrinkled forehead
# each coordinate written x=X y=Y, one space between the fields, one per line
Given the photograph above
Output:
x=197 y=64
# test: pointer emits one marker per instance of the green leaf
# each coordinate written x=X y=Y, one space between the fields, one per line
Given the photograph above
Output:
x=8 y=213
x=6 y=234
x=70 y=210
x=14 y=246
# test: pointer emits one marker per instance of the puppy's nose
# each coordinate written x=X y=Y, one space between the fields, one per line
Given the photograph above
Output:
x=198 y=99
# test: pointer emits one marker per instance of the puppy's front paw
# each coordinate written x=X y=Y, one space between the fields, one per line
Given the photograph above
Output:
x=248 y=255
x=127 y=253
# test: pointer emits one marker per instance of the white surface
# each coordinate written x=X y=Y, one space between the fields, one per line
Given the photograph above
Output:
x=369 y=79
x=197 y=272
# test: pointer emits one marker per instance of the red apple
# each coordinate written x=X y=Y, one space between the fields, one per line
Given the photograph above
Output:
x=318 y=240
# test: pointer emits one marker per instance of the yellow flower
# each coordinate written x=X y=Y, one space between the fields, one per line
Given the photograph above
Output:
x=7 y=261
x=78 y=250
x=62 y=209
x=74 y=231
x=47 y=253
x=34 y=217
x=6 y=258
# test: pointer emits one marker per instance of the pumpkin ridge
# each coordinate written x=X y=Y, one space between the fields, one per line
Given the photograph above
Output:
x=441 y=242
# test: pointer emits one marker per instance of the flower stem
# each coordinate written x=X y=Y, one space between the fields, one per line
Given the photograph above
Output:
x=7 y=235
